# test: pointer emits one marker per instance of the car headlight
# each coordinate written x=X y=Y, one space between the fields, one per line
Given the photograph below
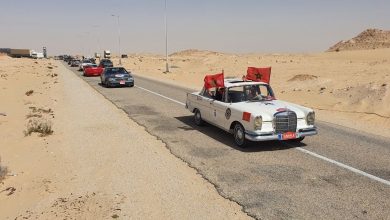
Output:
x=111 y=79
x=258 y=122
x=310 y=118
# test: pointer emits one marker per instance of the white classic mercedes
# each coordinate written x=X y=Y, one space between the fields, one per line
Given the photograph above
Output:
x=250 y=111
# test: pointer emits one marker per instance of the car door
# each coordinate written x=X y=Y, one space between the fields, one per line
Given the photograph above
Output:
x=220 y=113
x=204 y=101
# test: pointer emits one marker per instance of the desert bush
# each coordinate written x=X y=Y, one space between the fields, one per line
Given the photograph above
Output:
x=40 y=110
x=33 y=115
x=43 y=127
x=3 y=171
x=29 y=92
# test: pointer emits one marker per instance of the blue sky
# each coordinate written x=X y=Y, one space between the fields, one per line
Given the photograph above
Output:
x=228 y=26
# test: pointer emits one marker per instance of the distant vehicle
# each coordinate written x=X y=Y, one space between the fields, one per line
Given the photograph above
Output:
x=85 y=62
x=20 y=53
x=107 y=54
x=37 y=55
x=116 y=76
x=92 y=70
x=70 y=60
x=124 y=56
x=75 y=63
x=106 y=63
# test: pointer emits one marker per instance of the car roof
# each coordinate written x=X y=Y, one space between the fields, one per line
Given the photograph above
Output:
x=233 y=82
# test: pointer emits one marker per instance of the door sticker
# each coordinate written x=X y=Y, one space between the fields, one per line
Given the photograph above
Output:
x=228 y=113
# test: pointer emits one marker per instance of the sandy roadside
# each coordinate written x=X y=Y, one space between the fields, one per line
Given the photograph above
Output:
x=98 y=164
x=349 y=88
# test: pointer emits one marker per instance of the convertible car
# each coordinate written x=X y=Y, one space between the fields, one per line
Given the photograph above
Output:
x=92 y=70
x=249 y=110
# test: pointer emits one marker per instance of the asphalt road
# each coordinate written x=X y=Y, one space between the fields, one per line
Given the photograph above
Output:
x=339 y=174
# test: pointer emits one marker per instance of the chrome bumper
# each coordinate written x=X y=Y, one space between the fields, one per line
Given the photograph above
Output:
x=273 y=136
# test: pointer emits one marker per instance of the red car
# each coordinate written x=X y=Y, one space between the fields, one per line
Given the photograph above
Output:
x=92 y=70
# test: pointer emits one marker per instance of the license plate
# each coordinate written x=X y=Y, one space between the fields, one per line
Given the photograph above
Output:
x=122 y=82
x=287 y=136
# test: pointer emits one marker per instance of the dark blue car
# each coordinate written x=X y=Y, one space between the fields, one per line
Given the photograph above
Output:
x=115 y=77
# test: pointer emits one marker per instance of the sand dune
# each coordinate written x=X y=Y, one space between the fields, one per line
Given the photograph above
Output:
x=368 y=39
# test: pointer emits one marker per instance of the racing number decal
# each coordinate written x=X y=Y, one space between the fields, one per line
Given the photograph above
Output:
x=228 y=113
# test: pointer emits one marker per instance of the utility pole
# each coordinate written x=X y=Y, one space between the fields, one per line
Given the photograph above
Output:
x=166 y=39
x=119 y=40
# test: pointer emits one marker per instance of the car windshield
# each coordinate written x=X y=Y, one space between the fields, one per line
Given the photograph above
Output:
x=251 y=93
x=113 y=71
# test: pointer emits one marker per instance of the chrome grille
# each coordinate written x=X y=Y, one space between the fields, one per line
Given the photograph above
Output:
x=285 y=122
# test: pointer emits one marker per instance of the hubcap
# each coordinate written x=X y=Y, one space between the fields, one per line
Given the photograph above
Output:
x=239 y=134
x=197 y=117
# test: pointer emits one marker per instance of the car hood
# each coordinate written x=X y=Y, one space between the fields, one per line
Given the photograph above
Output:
x=267 y=109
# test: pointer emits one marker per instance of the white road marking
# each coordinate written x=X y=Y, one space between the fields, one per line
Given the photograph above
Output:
x=165 y=97
x=386 y=182
x=345 y=166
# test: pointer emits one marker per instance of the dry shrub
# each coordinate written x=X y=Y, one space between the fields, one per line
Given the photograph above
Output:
x=3 y=171
x=41 y=110
x=33 y=115
x=29 y=92
x=43 y=127
x=303 y=77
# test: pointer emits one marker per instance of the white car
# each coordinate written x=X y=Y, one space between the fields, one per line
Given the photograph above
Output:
x=250 y=111
x=85 y=62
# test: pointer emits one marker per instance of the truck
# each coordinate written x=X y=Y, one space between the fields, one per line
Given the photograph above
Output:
x=20 y=53
x=37 y=55
x=107 y=54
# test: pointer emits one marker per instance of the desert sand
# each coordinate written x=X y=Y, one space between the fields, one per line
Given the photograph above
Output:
x=89 y=166
x=348 y=88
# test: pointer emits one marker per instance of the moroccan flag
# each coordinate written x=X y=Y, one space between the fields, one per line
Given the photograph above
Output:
x=259 y=74
x=216 y=80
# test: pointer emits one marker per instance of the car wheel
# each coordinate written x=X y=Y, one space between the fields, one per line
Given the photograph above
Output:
x=239 y=135
x=198 y=118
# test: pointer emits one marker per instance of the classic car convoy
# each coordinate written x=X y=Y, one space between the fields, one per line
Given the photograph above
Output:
x=110 y=76
x=245 y=107
x=248 y=108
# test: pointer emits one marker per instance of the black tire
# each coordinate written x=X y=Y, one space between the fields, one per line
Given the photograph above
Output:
x=239 y=135
x=198 y=118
